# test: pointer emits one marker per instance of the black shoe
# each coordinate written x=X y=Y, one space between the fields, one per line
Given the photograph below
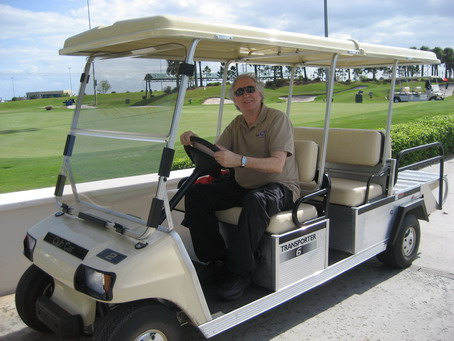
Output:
x=212 y=272
x=233 y=287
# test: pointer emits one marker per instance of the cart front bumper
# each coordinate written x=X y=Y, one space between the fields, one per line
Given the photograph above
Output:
x=61 y=322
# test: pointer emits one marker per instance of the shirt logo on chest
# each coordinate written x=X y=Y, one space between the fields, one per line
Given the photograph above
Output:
x=261 y=134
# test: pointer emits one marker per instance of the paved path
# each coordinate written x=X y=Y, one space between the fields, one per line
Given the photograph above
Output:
x=370 y=302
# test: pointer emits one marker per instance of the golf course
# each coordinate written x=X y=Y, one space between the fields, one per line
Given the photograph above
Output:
x=33 y=132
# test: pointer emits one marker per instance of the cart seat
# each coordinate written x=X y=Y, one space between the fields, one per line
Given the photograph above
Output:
x=353 y=158
x=352 y=193
x=306 y=153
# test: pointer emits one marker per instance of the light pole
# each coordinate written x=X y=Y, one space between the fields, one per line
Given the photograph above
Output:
x=70 y=81
x=325 y=11
x=326 y=17
x=93 y=64
x=14 y=92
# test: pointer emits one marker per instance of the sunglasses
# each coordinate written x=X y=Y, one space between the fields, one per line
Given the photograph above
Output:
x=250 y=89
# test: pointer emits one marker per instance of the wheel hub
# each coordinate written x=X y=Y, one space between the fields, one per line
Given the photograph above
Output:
x=152 y=335
x=409 y=242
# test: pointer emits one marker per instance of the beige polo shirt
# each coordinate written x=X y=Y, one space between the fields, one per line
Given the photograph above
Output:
x=271 y=132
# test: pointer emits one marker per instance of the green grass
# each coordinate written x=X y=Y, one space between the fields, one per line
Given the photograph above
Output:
x=32 y=138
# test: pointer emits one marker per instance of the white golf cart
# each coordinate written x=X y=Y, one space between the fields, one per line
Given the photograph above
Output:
x=114 y=262
x=430 y=92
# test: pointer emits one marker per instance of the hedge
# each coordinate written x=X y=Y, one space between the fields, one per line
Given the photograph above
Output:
x=423 y=131
x=403 y=136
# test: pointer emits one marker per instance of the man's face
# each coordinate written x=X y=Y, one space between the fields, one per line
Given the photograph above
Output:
x=247 y=102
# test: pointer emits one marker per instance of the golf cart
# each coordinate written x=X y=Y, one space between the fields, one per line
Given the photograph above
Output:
x=114 y=261
x=430 y=92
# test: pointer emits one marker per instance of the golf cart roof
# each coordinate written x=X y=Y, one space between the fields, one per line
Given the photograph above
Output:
x=167 y=37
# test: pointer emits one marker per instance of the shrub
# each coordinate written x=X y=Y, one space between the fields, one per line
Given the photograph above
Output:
x=418 y=132
x=182 y=163
x=276 y=84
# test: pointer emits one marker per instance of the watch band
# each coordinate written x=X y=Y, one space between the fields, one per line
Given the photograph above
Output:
x=243 y=161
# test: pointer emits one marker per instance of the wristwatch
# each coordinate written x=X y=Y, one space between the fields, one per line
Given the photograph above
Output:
x=243 y=161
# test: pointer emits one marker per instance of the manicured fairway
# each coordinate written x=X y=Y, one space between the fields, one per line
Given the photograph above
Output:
x=32 y=138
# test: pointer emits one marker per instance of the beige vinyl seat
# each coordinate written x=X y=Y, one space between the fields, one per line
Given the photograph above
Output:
x=353 y=158
x=306 y=154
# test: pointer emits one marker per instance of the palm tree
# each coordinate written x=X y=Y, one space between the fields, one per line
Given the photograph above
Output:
x=372 y=70
x=423 y=48
x=448 y=59
x=206 y=71
x=201 y=74
x=439 y=53
x=172 y=70
x=147 y=80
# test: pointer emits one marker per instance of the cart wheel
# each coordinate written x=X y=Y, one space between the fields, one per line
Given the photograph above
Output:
x=405 y=249
x=33 y=284
x=139 y=321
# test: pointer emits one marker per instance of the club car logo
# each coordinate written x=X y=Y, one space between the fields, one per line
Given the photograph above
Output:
x=297 y=247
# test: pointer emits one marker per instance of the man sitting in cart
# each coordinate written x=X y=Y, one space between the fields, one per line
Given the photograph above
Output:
x=259 y=145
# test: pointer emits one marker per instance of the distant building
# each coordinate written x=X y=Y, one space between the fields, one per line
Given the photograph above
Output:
x=48 y=94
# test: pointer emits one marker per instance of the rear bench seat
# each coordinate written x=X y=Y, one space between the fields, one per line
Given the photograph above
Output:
x=352 y=157
x=306 y=153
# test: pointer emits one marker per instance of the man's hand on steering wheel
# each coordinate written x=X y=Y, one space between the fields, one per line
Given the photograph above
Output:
x=227 y=158
x=185 y=138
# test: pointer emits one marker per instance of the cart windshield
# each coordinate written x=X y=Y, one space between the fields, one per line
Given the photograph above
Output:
x=119 y=137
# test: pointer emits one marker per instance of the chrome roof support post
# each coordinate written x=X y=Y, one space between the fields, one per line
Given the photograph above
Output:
x=290 y=90
x=222 y=98
x=181 y=95
x=161 y=200
x=329 y=100
x=65 y=169
x=387 y=147
x=80 y=96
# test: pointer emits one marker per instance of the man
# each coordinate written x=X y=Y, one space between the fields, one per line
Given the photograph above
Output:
x=258 y=144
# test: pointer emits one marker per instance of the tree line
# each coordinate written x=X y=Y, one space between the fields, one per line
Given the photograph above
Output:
x=276 y=73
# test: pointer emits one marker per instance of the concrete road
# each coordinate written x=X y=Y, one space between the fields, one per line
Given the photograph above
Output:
x=370 y=302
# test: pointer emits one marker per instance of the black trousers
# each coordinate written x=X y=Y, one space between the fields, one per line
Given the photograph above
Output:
x=258 y=205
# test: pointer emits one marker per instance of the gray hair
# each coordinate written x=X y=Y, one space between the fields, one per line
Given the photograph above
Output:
x=258 y=85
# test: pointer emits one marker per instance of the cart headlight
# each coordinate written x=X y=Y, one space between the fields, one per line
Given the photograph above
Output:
x=29 y=246
x=93 y=282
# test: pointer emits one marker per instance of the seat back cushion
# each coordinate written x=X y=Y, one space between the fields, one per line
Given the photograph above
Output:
x=306 y=154
x=347 y=146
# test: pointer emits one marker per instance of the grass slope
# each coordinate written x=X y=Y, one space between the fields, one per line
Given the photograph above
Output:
x=32 y=138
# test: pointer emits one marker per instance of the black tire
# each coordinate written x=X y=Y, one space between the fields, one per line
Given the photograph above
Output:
x=405 y=249
x=33 y=284
x=136 y=321
x=397 y=99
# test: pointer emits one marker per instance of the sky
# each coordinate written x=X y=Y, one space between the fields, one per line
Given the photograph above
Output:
x=32 y=32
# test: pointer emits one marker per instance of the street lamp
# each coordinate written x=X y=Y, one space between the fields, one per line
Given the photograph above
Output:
x=70 y=81
x=326 y=17
x=93 y=63
x=14 y=92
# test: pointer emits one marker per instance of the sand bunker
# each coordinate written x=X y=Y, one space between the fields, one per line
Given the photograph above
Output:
x=217 y=100
x=300 y=98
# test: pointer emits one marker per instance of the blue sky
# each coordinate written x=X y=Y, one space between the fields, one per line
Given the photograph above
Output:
x=32 y=32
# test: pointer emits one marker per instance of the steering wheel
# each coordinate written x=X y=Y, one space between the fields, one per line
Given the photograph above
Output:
x=201 y=154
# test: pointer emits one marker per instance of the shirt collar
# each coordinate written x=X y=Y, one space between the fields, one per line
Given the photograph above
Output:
x=260 y=119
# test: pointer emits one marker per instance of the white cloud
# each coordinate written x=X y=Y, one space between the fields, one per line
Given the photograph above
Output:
x=30 y=39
